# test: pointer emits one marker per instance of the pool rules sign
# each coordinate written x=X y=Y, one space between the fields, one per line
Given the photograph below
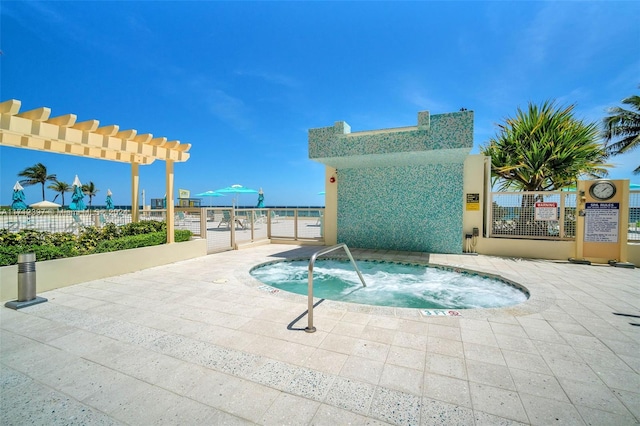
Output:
x=601 y=222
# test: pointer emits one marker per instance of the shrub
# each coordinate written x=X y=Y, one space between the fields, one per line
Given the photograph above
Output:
x=9 y=254
x=49 y=246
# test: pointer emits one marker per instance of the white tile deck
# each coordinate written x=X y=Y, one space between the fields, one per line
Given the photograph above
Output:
x=197 y=342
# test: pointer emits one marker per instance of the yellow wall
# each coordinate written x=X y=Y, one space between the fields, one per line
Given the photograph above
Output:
x=52 y=274
x=474 y=170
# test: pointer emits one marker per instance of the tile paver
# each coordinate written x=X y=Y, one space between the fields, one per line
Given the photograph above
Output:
x=201 y=342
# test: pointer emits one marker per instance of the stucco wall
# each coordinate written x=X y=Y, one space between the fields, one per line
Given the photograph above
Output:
x=415 y=208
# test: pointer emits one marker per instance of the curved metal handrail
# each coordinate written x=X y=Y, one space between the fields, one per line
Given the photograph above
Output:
x=310 y=328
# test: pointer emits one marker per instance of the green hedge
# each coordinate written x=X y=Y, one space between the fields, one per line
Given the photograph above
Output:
x=142 y=240
x=49 y=246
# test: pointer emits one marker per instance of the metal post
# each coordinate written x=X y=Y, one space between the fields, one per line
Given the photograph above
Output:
x=26 y=277
x=26 y=283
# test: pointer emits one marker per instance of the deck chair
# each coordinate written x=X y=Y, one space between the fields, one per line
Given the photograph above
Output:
x=180 y=219
x=226 y=220
x=14 y=225
x=274 y=217
x=246 y=220
x=76 y=224
x=260 y=217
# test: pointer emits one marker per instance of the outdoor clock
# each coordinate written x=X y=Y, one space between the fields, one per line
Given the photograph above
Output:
x=602 y=190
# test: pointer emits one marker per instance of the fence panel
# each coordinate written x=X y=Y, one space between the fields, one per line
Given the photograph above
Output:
x=223 y=228
x=535 y=215
x=218 y=229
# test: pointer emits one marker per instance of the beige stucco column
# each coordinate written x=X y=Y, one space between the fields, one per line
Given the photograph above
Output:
x=135 y=184
x=170 y=202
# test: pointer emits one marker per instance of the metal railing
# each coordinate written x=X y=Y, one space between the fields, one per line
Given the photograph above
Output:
x=310 y=328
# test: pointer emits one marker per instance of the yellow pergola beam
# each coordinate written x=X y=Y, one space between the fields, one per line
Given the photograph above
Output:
x=34 y=129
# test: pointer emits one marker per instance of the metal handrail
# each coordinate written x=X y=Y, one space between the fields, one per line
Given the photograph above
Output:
x=310 y=328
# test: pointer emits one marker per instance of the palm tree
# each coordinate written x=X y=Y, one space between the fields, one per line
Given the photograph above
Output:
x=624 y=124
x=90 y=190
x=60 y=187
x=545 y=148
x=36 y=174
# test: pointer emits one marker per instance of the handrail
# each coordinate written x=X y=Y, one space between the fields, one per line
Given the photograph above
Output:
x=310 y=328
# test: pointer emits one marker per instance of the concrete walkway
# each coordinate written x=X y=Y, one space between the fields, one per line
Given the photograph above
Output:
x=200 y=342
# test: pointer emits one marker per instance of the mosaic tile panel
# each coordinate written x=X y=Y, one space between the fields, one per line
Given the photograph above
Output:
x=399 y=189
x=444 y=131
x=417 y=208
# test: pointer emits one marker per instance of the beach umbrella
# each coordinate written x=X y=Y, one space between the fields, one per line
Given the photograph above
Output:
x=236 y=190
x=209 y=194
x=634 y=186
x=76 y=199
x=260 y=199
x=18 y=197
x=44 y=205
x=109 y=202
x=321 y=193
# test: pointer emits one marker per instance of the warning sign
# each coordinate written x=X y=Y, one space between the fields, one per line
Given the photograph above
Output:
x=546 y=211
x=601 y=222
x=473 y=202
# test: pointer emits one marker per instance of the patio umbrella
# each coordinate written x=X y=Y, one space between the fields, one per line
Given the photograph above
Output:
x=260 y=199
x=209 y=194
x=236 y=190
x=18 y=197
x=321 y=193
x=44 y=205
x=109 y=202
x=78 y=195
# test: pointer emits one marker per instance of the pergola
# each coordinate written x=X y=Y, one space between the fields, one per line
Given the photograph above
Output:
x=35 y=129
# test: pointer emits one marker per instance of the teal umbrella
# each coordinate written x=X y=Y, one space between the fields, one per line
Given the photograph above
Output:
x=236 y=190
x=18 y=197
x=109 y=202
x=260 y=199
x=77 y=202
x=209 y=194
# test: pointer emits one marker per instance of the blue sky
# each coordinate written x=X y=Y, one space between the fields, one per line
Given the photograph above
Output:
x=244 y=81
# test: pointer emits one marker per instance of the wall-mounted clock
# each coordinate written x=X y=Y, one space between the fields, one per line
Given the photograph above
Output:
x=602 y=190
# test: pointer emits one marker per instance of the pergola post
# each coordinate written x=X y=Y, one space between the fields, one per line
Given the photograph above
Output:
x=170 y=202
x=135 y=184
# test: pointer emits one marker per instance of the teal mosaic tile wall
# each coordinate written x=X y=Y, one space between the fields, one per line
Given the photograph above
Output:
x=399 y=189
x=415 y=208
